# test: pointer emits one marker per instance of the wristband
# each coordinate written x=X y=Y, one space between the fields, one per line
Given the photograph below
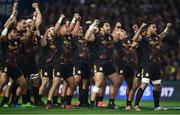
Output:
x=60 y=20
x=34 y=18
x=9 y=84
x=11 y=16
x=73 y=20
x=4 y=32
x=166 y=30
x=91 y=27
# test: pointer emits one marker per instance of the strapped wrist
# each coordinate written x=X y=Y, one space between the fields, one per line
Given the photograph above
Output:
x=91 y=27
x=4 y=32
x=60 y=20
x=73 y=20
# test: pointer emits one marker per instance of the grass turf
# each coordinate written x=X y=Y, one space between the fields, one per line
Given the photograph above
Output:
x=147 y=108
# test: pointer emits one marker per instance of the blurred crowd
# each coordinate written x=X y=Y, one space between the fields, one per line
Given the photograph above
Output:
x=128 y=12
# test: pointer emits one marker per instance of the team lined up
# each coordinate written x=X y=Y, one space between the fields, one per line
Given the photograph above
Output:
x=73 y=55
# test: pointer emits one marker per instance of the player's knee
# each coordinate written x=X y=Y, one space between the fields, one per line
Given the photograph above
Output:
x=134 y=88
x=23 y=85
x=95 y=89
x=72 y=85
x=116 y=84
x=54 y=85
x=98 y=82
x=43 y=84
x=77 y=80
x=143 y=85
x=157 y=87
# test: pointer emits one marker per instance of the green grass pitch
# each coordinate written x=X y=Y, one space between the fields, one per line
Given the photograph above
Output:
x=147 y=108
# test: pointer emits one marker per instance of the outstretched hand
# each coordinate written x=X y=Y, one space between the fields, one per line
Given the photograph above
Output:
x=35 y=5
x=135 y=27
x=89 y=22
x=169 y=25
x=96 y=22
x=62 y=16
x=118 y=25
x=14 y=12
x=143 y=25
x=35 y=15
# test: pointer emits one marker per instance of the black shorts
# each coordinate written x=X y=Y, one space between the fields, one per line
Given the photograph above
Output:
x=83 y=70
x=127 y=70
x=139 y=72
x=33 y=68
x=47 y=70
x=23 y=64
x=105 y=67
x=151 y=71
x=12 y=70
x=63 y=70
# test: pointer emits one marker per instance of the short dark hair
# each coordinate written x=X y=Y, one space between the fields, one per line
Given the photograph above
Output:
x=149 y=22
x=64 y=21
x=20 y=20
x=101 y=24
x=11 y=29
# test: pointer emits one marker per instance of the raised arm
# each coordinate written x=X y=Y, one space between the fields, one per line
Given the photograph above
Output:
x=33 y=22
x=89 y=36
x=43 y=41
x=76 y=27
x=13 y=14
x=138 y=32
x=163 y=34
x=73 y=22
x=135 y=28
x=58 y=24
x=5 y=30
x=38 y=17
x=137 y=37
x=29 y=32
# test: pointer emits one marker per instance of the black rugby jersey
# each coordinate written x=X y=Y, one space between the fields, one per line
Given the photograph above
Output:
x=105 y=45
x=65 y=49
x=82 y=52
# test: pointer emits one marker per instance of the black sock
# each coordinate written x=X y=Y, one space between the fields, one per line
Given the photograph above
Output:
x=35 y=91
x=80 y=91
x=62 y=100
x=12 y=98
x=101 y=98
x=86 y=94
x=13 y=91
x=97 y=100
x=24 y=99
x=156 y=96
x=111 y=101
x=82 y=95
x=15 y=99
x=55 y=99
x=92 y=104
x=28 y=95
x=39 y=97
x=68 y=100
x=128 y=103
x=48 y=101
x=5 y=100
x=139 y=96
